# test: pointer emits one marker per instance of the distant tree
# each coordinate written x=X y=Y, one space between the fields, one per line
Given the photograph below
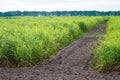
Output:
x=60 y=13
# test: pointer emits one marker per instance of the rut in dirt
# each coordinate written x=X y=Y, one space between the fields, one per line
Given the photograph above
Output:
x=70 y=63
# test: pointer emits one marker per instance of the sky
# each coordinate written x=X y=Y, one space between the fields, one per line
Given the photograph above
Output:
x=59 y=5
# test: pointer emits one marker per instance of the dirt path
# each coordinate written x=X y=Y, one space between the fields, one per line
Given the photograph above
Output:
x=71 y=63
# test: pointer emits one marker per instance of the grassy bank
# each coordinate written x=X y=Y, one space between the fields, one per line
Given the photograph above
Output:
x=26 y=41
x=107 y=54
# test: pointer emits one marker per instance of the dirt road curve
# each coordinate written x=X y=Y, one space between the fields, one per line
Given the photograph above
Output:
x=71 y=63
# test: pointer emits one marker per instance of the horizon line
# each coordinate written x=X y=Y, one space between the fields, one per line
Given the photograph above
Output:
x=57 y=10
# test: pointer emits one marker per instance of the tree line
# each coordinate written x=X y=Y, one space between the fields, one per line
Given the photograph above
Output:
x=60 y=13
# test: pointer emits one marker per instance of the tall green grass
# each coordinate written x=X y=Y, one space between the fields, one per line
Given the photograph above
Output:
x=26 y=41
x=107 y=54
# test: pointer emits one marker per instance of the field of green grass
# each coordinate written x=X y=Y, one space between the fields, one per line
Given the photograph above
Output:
x=26 y=41
x=107 y=54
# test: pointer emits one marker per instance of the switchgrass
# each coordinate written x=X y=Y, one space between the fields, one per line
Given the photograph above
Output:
x=26 y=41
x=107 y=54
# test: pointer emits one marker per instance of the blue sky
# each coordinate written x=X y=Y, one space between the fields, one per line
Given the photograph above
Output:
x=59 y=5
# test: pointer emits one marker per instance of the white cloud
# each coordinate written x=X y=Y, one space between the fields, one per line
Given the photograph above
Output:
x=53 y=5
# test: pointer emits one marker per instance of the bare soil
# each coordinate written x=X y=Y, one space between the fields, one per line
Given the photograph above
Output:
x=70 y=63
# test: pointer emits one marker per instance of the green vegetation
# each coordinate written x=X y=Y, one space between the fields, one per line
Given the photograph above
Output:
x=107 y=54
x=26 y=41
